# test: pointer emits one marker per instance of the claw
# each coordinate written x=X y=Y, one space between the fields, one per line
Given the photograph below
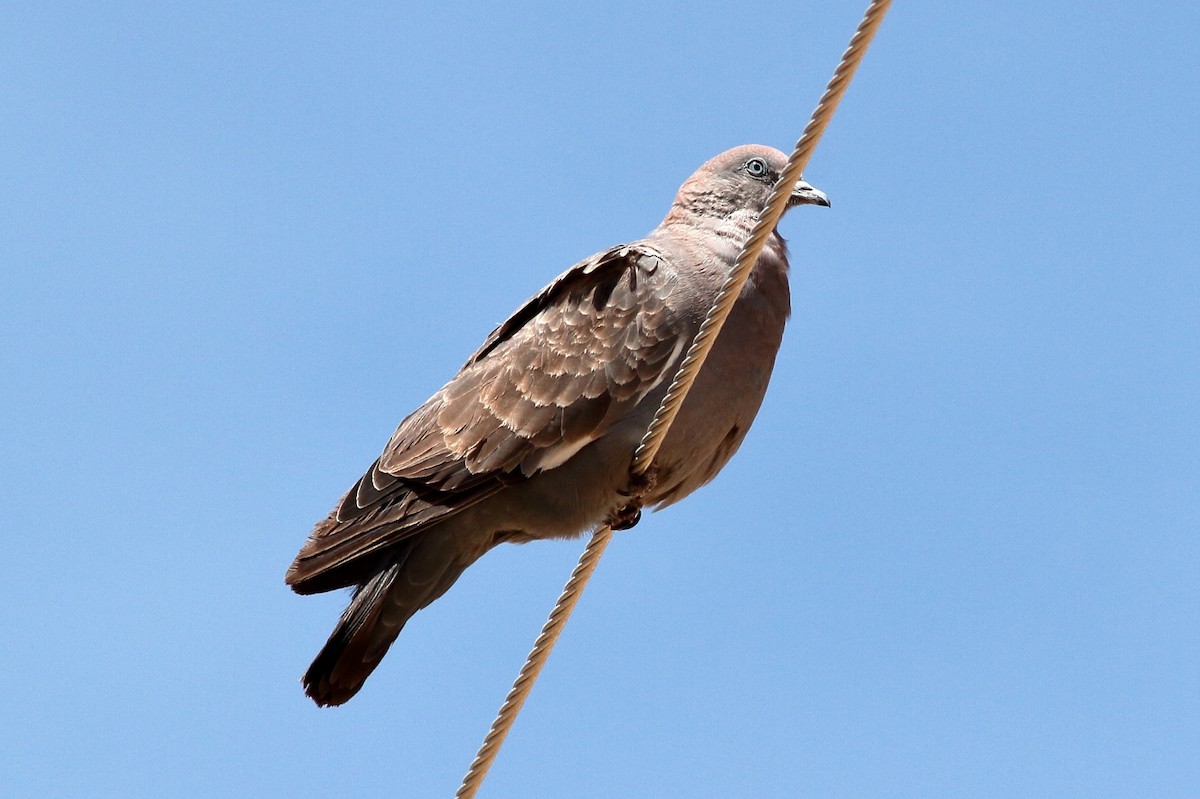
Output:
x=639 y=486
x=625 y=518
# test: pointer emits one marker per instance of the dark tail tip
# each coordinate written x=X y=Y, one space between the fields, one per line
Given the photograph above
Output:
x=332 y=679
x=358 y=643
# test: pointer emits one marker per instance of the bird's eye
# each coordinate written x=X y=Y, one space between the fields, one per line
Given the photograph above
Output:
x=756 y=167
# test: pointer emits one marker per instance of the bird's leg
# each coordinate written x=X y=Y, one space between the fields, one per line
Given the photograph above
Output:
x=629 y=514
x=625 y=517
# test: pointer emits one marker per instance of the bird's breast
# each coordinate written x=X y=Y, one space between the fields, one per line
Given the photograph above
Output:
x=730 y=388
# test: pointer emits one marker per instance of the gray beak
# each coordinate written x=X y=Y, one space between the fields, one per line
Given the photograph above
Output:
x=807 y=194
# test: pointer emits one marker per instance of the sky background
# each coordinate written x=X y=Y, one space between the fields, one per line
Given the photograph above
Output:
x=957 y=556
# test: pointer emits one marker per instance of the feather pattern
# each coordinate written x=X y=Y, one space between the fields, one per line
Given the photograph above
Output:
x=545 y=383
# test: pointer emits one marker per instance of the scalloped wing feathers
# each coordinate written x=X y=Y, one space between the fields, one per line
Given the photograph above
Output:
x=547 y=382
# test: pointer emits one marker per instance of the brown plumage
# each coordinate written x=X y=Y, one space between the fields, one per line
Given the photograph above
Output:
x=534 y=436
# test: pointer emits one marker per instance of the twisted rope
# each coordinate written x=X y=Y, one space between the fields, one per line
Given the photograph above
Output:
x=767 y=221
x=533 y=664
x=682 y=383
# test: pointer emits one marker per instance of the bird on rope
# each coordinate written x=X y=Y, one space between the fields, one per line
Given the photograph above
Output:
x=534 y=437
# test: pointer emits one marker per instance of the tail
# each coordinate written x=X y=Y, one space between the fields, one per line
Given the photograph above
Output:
x=360 y=640
x=381 y=606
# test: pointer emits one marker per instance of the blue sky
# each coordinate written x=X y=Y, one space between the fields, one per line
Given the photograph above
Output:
x=957 y=555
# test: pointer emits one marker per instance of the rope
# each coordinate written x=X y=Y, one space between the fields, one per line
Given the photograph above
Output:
x=767 y=221
x=682 y=383
x=533 y=664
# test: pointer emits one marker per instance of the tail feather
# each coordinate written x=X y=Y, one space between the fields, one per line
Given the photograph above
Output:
x=422 y=571
x=358 y=643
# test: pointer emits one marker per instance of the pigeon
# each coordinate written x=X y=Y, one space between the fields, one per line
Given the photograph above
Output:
x=535 y=435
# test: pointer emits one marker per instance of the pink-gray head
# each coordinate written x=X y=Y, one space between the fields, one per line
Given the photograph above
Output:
x=739 y=180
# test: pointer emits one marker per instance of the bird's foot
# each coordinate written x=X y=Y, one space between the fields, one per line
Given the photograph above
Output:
x=625 y=517
x=640 y=485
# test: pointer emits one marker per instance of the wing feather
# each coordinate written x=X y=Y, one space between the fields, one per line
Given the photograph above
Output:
x=545 y=383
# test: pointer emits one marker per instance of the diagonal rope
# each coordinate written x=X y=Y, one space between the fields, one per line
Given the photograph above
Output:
x=767 y=221
x=533 y=664
x=682 y=383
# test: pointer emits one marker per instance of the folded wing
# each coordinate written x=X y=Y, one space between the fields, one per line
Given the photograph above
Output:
x=551 y=379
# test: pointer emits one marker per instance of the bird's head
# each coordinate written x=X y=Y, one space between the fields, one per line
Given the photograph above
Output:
x=740 y=180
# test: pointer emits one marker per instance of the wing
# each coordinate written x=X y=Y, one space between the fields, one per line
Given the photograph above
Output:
x=551 y=379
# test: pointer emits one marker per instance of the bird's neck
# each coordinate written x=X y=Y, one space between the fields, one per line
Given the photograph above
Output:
x=733 y=227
